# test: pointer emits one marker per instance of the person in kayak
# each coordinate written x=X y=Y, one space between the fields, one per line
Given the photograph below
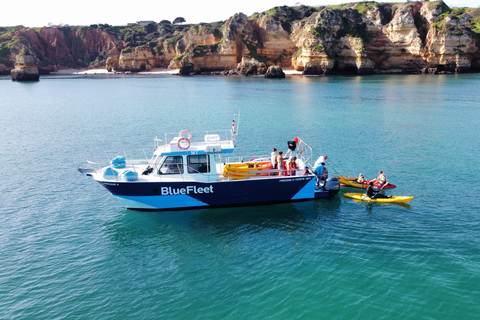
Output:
x=361 y=178
x=381 y=179
x=372 y=194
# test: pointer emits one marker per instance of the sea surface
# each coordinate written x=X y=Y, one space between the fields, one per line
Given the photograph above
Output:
x=69 y=250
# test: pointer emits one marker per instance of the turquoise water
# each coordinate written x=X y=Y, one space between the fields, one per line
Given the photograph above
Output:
x=68 y=250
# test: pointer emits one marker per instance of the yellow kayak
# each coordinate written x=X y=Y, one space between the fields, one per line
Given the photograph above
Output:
x=352 y=183
x=244 y=170
x=363 y=197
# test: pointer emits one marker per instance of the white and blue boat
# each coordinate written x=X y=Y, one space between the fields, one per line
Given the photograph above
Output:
x=199 y=169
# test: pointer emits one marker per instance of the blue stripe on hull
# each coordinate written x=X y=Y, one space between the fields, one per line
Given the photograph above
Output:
x=160 y=202
x=307 y=192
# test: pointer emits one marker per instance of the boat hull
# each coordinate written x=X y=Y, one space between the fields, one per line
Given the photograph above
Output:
x=393 y=199
x=181 y=195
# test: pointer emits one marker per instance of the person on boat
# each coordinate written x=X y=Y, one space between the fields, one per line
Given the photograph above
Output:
x=321 y=173
x=273 y=159
x=320 y=160
x=361 y=178
x=324 y=172
x=306 y=171
x=292 y=166
x=381 y=179
x=372 y=194
x=280 y=162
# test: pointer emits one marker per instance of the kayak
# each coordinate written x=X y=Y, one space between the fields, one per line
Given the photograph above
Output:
x=244 y=170
x=363 y=197
x=352 y=183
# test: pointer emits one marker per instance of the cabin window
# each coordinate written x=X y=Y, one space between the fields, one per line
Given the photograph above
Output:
x=198 y=164
x=172 y=165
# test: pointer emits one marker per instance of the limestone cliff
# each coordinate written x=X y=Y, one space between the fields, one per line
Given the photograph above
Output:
x=355 y=38
x=25 y=67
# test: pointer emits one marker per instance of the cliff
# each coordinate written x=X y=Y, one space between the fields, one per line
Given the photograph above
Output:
x=355 y=38
x=25 y=67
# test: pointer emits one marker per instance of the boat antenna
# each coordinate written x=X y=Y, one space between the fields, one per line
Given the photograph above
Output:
x=238 y=123
x=235 y=128
x=234 y=135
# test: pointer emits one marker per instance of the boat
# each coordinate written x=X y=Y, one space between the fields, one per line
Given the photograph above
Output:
x=349 y=182
x=198 y=170
x=392 y=199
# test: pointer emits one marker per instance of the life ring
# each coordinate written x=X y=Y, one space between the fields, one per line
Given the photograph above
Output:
x=183 y=143
x=189 y=134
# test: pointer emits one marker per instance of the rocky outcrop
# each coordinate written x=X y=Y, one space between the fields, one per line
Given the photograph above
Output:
x=275 y=72
x=134 y=60
x=331 y=41
x=355 y=38
x=449 y=45
x=25 y=67
x=251 y=66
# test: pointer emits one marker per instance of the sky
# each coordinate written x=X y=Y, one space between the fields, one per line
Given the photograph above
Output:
x=38 y=13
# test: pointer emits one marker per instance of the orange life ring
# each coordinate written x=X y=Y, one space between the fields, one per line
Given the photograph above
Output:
x=182 y=141
x=189 y=134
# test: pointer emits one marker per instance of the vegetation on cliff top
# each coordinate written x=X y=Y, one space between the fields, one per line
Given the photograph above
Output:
x=167 y=37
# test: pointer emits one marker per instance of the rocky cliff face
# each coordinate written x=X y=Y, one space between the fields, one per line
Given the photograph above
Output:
x=25 y=67
x=58 y=48
x=356 y=38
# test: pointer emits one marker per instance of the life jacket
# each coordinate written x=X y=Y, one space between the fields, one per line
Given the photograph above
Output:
x=382 y=179
x=292 y=165
x=280 y=161
x=274 y=158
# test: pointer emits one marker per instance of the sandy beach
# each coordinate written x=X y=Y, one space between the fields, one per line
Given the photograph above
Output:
x=288 y=72
x=104 y=71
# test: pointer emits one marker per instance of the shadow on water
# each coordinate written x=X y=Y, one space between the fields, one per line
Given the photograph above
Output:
x=131 y=226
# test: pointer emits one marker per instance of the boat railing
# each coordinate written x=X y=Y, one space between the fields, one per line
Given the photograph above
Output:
x=241 y=159
x=133 y=164
x=197 y=136
x=303 y=152
x=264 y=174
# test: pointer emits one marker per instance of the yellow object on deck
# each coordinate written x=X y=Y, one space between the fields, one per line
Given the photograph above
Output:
x=244 y=170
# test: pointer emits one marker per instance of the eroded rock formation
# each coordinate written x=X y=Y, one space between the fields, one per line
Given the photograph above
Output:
x=355 y=38
x=25 y=67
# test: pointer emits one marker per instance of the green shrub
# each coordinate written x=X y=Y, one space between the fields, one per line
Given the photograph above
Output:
x=128 y=50
x=318 y=48
x=298 y=53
